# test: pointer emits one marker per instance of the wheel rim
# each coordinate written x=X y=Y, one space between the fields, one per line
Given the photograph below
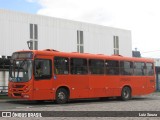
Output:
x=61 y=96
x=126 y=93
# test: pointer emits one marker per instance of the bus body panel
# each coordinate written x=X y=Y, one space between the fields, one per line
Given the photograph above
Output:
x=103 y=86
x=77 y=84
x=43 y=89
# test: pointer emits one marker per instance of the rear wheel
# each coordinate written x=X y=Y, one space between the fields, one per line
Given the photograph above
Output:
x=126 y=93
x=61 y=96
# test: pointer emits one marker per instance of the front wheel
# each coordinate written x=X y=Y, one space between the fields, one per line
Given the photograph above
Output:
x=126 y=93
x=61 y=96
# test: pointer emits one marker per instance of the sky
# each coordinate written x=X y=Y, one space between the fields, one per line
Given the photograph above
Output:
x=142 y=17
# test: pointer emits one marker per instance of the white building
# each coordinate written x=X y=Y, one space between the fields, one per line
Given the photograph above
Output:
x=63 y=35
x=60 y=34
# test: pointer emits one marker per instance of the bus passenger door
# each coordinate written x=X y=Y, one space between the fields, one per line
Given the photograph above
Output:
x=42 y=89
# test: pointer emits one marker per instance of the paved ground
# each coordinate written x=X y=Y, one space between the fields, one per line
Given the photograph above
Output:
x=143 y=103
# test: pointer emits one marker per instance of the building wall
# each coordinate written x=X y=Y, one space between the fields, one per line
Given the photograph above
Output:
x=59 y=34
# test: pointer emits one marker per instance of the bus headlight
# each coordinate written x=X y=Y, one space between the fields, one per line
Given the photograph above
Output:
x=27 y=89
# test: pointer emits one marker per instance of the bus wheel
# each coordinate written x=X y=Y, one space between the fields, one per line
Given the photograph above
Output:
x=61 y=96
x=126 y=93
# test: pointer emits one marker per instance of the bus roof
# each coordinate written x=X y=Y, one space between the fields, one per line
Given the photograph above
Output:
x=51 y=52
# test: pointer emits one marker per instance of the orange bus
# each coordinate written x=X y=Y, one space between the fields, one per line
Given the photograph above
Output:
x=59 y=76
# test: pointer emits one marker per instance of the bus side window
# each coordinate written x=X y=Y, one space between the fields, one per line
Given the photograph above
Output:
x=61 y=65
x=111 y=67
x=78 y=66
x=43 y=69
x=96 y=66
x=139 y=69
x=126 y=68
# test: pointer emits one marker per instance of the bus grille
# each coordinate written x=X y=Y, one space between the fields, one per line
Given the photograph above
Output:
x=18 y=86
x=17 y=94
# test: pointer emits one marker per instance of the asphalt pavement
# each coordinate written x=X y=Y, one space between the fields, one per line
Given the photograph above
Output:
x=148 y=103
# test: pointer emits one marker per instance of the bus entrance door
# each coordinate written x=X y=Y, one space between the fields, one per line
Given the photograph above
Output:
x=43 y=81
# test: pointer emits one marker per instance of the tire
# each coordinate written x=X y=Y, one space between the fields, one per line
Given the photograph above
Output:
x=126 y=94
x=61 y=96
x=39 y=101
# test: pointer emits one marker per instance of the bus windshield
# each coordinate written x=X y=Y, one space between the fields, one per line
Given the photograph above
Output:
x=20 y=70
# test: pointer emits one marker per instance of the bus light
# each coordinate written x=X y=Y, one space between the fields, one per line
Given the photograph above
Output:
x=27 y=89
